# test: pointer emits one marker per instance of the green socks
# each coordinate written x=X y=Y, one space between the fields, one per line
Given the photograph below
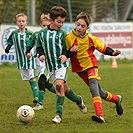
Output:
x=34 y=88
x=52 y=89
x=41 y=96
x=59 y=104
x=73 y=97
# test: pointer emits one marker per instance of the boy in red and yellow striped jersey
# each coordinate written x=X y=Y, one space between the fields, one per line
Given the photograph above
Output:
x=81 y=46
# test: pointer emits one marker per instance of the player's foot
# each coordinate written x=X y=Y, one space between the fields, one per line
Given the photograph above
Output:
x=81 y=106
x=57 y=119
x=98 y=119
x=35 y=100
x=38 y=107
x=119 y=108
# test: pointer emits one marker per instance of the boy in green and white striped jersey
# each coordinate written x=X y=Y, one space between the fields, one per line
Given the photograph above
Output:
x=51 y=45
x=40 y=66
x=19 y=38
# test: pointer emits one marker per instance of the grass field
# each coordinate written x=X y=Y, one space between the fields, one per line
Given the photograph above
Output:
x=14 y=92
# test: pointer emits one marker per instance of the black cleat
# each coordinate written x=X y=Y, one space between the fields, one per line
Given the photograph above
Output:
x=98 y=119
x=119 y=108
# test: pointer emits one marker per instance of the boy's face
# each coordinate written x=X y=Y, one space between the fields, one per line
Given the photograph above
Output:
x=57 y=23
x=21 y=22
x=81 y=27
x=44 y=23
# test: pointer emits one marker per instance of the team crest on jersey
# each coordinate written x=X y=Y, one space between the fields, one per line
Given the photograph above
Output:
x=5 y=36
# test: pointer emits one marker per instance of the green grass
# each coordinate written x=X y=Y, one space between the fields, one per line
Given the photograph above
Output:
x=14 y=92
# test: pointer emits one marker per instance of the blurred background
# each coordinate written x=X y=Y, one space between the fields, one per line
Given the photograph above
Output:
x=112 y=22
x=100 y=10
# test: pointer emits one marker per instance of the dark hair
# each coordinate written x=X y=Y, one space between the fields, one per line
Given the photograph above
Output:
x=57 y=11
x=86 y=17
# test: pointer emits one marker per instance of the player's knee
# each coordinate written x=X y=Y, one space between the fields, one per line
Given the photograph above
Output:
x=58 y=87
x=104 y=95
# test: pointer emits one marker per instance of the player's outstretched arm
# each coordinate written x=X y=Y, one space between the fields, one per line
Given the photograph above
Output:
x=111 y=52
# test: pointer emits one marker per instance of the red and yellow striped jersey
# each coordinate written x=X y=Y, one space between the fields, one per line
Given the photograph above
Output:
x=84 y=58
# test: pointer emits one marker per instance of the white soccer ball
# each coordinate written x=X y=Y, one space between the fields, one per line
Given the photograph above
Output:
x=25 y=114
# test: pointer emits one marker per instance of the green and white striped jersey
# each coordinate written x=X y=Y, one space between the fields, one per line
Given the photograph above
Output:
x=32 y=42
x=53 y=43
x=19 y=41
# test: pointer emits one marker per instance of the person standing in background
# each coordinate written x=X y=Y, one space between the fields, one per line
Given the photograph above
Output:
x=19 y=39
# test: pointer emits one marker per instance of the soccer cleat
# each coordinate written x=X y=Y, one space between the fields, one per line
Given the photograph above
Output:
x=57 y=119
x=98 y=119
x=81 y=106
x=38 y=107
x=35 y=100
x=119 y=108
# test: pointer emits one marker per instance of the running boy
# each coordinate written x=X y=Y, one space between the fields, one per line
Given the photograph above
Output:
x=40 y=66
x=51 y=46
x=81 y=45
x=19 y=38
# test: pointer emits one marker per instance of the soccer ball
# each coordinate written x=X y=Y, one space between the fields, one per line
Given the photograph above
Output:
x=25 y=114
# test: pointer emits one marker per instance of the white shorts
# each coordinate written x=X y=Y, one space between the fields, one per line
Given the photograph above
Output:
x=27 y=74
x=59 y=74
x=41 y=68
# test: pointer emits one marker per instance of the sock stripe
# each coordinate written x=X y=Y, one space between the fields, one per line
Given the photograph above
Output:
x=109 y=96
x=96 y=99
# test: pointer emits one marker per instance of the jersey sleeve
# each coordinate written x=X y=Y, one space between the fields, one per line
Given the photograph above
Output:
x=39 y=47
x=98 y=44
x=31 y=41
x=64 y=40
x=39 y=44
x=68 y=44
x=10 y=40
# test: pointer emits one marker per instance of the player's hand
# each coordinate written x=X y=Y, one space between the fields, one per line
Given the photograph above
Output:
x=116 y=52
x=7 y=49
x=74 y=49
x=42 y=58
x=63 y=58
x=28 y=55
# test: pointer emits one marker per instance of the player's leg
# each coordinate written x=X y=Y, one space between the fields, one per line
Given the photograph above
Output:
x=90 y=77
x=33 y=84
x=41 y=83
x=59 y=76
x=117 y=99
x=97 y=101
x=75 y=98
x=50 y=86
x=25 y=77
x=34 y=88
x=60 y=96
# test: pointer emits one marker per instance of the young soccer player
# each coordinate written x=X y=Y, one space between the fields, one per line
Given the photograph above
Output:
x=40 y=66
x=81 y=45
x=51 y=46
x=19 y=38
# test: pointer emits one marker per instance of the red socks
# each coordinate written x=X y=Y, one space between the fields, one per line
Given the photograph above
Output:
x=97 y=101
x=112 y=98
